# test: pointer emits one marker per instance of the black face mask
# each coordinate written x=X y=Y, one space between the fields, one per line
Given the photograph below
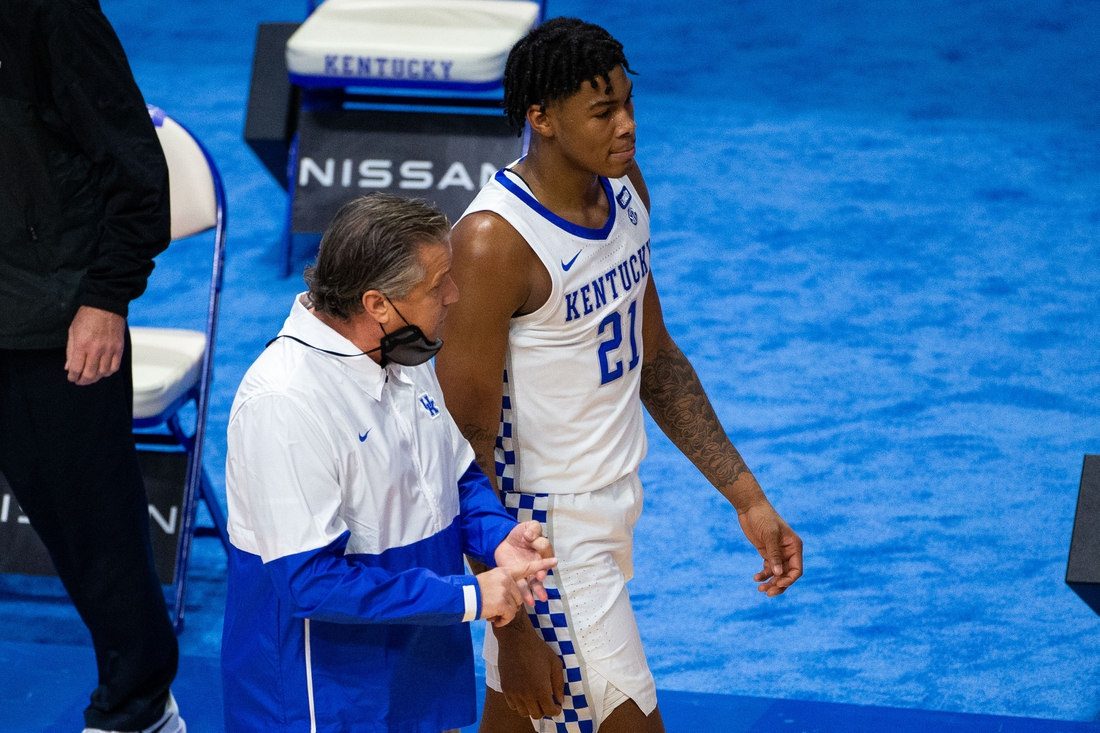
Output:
x=407 y=346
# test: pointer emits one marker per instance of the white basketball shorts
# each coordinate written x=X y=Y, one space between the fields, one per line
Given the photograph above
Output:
x=588 y=619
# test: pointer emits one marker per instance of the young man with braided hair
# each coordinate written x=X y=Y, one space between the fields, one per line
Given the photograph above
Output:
x=553 y=263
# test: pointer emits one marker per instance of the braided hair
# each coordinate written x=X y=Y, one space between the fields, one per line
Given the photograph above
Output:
x=552 y=62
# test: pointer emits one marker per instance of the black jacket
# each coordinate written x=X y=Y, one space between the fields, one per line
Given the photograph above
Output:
x=83 y=182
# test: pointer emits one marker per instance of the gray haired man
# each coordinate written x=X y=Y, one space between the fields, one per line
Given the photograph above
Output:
x=353 y=496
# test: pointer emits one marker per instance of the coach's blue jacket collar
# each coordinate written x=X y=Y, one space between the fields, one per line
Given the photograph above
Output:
x=363 y=370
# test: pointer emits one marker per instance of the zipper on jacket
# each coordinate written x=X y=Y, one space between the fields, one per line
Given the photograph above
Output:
x=309 y=682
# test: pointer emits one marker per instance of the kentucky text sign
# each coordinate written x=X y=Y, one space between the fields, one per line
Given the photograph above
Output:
x=380 y=67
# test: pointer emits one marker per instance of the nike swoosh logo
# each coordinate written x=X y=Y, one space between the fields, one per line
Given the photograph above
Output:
x=565 y=266
x=363 y=437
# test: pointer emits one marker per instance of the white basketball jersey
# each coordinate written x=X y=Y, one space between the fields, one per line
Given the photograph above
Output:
x=571 y=418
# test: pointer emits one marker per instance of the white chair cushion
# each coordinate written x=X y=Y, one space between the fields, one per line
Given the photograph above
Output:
x=408 y=42
x=167 y=363
x=190 y=184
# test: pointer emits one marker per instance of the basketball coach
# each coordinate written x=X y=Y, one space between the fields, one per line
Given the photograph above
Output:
x=353 y=496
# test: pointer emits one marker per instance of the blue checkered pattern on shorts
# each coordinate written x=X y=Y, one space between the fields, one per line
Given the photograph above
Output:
x=550 y=621
x=505 y=458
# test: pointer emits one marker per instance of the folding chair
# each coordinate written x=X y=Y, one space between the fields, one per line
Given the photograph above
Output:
x=173 y=367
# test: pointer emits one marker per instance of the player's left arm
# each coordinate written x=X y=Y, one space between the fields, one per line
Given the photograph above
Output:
x=675 y=398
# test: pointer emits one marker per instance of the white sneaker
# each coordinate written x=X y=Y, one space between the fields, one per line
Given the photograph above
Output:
x=170 y=722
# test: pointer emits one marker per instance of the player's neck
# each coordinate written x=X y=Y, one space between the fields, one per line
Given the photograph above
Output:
x=562 y=187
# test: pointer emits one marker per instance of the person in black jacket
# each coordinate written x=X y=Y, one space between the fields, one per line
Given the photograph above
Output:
x=83 y=211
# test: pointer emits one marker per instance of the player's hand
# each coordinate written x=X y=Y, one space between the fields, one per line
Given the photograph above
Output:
x=501 y=595
x=531 y=674
x=525 y=544
x=777 y=544
x=96 y=341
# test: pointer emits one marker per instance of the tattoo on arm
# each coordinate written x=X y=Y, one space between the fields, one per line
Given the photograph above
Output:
x=672 y=393
x=483 y=443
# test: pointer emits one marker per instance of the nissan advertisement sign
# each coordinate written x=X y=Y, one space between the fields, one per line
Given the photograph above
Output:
x=442 y=158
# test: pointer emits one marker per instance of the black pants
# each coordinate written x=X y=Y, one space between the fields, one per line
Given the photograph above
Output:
x=68 y=453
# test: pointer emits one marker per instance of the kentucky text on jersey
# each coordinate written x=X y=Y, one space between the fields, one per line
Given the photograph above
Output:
x=380 y=67
x=627 y=273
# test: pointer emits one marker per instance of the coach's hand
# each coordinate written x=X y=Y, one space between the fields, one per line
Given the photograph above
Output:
x=777 y=544
x=96 y=341
x=531 y=674
x=501 y=594
x=525 y=544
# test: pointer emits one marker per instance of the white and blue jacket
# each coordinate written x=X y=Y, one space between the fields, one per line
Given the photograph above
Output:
x=352 y=497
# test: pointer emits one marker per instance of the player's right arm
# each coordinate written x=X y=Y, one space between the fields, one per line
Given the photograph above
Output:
x=498 y=276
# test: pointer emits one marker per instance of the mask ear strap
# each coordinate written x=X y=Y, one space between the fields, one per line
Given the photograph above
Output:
x=315 y=348
x=379 y=347
x=406 y=320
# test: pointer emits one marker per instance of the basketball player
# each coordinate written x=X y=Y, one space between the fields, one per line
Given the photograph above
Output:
x=553 y=262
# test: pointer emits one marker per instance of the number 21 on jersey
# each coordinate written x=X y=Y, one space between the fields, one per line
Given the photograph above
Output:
x=611 y=327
